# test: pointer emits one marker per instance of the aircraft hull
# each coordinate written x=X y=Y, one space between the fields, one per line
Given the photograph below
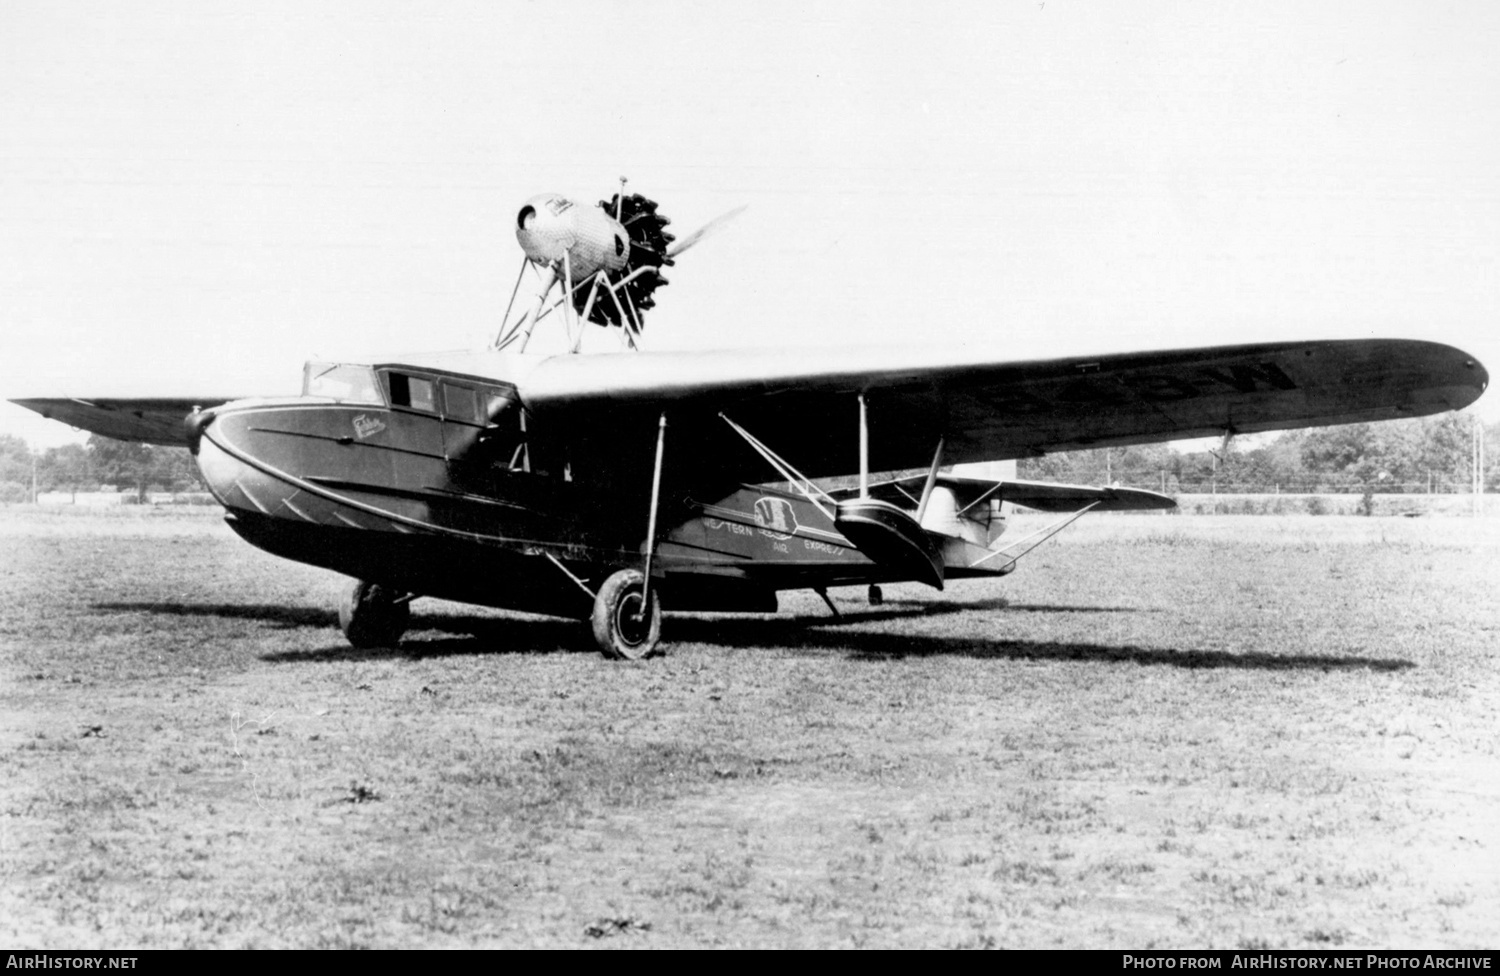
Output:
x=396 y=543
x=377 y=494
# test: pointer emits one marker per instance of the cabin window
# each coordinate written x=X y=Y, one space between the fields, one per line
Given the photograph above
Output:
x=412 y=391
x=458 y=404
x=345 y=383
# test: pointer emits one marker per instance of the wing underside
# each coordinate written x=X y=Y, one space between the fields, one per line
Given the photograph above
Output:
x=806 y=405
x=147 y=420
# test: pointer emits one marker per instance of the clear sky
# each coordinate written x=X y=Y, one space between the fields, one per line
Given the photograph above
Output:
x=196 y=196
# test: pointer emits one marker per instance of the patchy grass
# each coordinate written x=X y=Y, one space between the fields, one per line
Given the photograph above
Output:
x=1159 y=732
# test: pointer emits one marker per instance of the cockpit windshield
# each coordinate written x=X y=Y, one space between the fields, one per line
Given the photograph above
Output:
x=343 y=382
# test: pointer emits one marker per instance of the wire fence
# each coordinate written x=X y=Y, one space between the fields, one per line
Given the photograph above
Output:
x=1309 y=487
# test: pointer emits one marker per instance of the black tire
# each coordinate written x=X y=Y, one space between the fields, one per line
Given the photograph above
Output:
x=373 y=615
x=876 y=597
x=617 y=630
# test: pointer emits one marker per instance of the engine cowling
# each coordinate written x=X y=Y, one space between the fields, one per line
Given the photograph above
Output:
x=550 y=225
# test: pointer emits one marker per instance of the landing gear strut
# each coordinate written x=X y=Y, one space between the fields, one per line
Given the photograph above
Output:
x=373 y=615
x=621 y=629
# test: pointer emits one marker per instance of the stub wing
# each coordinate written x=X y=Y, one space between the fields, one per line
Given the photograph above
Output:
x=1044 y=496
x=1049 y=497
x=152 y=420
x=963 y=520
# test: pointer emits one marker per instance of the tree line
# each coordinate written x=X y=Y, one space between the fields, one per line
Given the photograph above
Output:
x=100 y=464
x=1399 y=456
x=1426 y=454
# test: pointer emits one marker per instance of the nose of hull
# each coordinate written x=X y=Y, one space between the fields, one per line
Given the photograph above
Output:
x=237 y=485
x=361 y=492
x=333 y=465
x=277 y=462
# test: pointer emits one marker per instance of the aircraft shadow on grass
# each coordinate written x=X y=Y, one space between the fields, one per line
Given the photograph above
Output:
x=276 y=615
x=540 y=635
x=825 y=633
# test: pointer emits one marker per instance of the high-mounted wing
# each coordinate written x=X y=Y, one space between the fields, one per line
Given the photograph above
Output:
x=804 y=403
x=147 y=420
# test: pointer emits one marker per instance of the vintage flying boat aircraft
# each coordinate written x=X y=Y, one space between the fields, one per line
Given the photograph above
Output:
x=606 y=486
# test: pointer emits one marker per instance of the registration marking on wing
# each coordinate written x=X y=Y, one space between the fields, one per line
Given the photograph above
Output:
x=1118 y=389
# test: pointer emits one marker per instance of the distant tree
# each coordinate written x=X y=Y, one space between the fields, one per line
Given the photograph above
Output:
x=123 y=464
x=1397 y=455
x=1335 y=449
x=1445 y=449
x=1274 y=466
x=177 y=471
x=142 y=467
x=1065 y=466
x=15 y=470
x=66 y=468
x=15 y=460
x=1492 y=457
x=1203 y=470
x=1140 y=466
x=1390 y=456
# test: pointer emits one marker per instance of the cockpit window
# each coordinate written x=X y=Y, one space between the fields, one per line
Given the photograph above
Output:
x=458 y=403
x=412 y=391
x=338 y=381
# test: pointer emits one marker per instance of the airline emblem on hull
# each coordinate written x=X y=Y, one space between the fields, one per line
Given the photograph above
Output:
x=776 y=517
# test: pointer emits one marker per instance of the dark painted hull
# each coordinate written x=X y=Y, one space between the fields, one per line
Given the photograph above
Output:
x=451 y=569
x=422 y=543
x=415 y=503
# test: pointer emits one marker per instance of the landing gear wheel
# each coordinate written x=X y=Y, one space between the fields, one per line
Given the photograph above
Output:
x=620 y=630
x=876 y=597
x=373 y=615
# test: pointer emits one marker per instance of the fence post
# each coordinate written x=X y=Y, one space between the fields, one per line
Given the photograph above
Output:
x=1477 y=462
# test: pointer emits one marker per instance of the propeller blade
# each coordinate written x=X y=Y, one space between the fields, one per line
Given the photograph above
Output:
x=709 y=228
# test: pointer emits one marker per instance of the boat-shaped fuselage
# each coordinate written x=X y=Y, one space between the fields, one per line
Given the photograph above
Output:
x=416 y=478
x=440 y=483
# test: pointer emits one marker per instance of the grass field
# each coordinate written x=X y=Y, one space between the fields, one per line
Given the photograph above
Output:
x=1212 y=732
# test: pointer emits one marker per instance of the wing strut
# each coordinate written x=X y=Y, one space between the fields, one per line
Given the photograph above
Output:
x=570 y=575
x=797 y=478
x=932 y=473
x=661 y=443
x=1046 y=532
x=864 y=448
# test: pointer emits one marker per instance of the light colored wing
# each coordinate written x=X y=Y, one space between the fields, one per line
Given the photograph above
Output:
x=156 y=420
x=1050 y=497
x=804 y=405
x=1045 y=496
